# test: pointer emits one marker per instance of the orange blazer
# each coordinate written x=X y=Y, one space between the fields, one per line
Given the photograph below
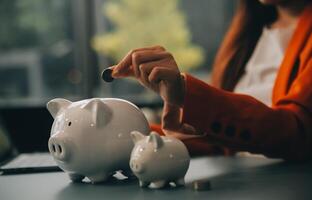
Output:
x=242 y=123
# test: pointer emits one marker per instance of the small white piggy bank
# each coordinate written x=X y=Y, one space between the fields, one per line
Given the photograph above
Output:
x=91 y=138
x=158 y=160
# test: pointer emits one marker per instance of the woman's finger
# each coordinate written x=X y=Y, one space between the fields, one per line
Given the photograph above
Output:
x=162 y=74
x=128 y=72
x=172 y=122
x=181 y=136
x=146 y=56
x=146 y=68
x=126 y=62
x=171 y=117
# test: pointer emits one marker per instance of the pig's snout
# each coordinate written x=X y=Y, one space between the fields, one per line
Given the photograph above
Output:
x=137 y=166
x=58 y=148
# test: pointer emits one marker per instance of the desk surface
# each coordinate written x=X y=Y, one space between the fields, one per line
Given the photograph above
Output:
x=231 y=178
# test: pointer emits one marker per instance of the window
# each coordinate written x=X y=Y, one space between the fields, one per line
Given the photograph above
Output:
x=46 y=48
x=37 y=52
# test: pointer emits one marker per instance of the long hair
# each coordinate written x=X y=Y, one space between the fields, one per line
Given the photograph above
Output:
x=239 y=42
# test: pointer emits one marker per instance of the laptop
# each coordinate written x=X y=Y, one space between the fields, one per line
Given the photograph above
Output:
x=29 y=163
x=26 y=131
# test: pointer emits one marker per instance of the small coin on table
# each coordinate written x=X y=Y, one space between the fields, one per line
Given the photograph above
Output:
x=201 y=185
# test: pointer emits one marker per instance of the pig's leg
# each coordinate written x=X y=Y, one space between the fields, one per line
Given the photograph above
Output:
x=180 y=182
x=143 y=183
x=158 y=184
x=75 y=177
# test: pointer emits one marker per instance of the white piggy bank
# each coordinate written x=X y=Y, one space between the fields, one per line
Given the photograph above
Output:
x=91 y=138
x=158 y=160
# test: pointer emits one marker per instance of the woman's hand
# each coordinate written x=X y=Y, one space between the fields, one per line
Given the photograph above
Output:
x=156 y=69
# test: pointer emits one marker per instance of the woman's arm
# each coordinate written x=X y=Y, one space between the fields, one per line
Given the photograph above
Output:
x=236 y=121
x=243 y=123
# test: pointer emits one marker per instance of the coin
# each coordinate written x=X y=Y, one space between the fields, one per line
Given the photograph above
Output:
x=201 y=185
x=107 y=75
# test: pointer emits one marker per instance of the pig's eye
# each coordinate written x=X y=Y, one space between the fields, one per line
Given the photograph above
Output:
x=69 y=123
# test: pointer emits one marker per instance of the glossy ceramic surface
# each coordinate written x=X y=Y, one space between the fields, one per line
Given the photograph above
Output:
x=158 y=160
x=91 y=138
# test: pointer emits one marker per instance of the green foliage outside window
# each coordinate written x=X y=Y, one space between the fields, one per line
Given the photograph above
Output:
x=139 y=23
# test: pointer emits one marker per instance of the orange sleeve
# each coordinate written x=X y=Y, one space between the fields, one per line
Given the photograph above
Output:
x=243 y=123
x=157 y=128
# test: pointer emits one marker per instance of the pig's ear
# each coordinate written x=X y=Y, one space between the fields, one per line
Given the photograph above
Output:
x=100 y=112
x=55 y=105
x=136 y=136
x=156 y=140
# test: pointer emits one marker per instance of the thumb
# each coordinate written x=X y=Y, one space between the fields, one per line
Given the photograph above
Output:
x=187 y=129
x=171 y=120
x=185 y=133
x=120 y=73
x=171 y=117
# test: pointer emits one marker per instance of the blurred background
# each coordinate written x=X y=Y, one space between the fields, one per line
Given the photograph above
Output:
x=58 y=48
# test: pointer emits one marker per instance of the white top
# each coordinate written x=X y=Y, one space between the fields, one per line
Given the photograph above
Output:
x=262 y=67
